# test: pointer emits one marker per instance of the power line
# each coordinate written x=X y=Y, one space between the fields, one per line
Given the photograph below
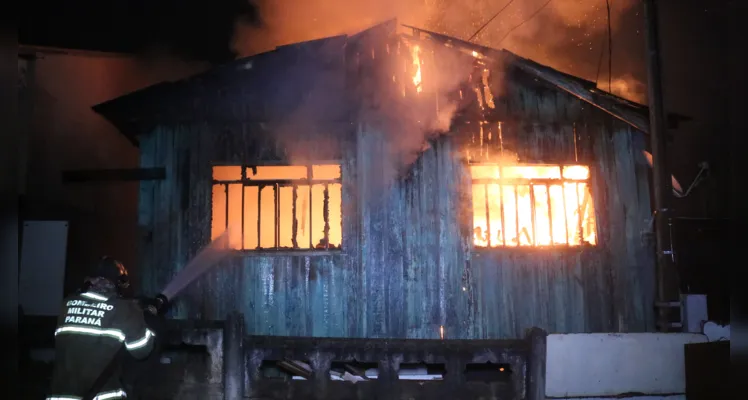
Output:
x=600 y=60
x=523 y=22
x=489 y=21
x=610 y=51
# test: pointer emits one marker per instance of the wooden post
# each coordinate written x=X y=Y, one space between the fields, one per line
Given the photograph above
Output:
x=536 y=364
x=321 y=363
x=26 y=111
x=664 y=275
x=233 y=357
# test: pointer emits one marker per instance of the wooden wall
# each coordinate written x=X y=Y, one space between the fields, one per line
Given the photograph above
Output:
x=407 y=265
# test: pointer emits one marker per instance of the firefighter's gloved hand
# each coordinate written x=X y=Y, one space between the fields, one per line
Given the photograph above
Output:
x=157 y=306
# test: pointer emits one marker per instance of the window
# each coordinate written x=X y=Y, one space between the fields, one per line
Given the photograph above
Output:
x=278 y=207
x=532 y=205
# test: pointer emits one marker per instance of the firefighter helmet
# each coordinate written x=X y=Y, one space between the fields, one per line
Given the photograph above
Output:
x=114 y=271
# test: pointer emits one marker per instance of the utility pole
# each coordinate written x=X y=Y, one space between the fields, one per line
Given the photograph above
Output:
x=662 y=185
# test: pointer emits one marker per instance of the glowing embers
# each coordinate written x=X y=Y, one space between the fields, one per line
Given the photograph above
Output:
x=278 y=207
x=532 y=205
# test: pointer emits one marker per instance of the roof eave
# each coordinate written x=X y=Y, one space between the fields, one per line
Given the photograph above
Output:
x=634 y=114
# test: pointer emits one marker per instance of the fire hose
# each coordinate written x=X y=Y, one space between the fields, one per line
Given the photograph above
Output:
x=156 y=307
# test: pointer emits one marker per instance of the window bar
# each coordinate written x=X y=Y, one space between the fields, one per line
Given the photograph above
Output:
x=311 y=218
x=259 y=216
x=550 y=212
x=276 y=195
x=532 y=210
x=226 y=190
x=488 y=215
x=244 y=177
x=294 y=220
x=585 y=204
x=566 y=219
x=516 y=213
x=326 y=216
x=501 y=208
x=580 y=232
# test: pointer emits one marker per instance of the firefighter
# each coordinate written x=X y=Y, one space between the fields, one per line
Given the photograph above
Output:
x=94 y=327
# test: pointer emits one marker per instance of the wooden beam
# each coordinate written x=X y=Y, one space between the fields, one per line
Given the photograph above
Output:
x=113 y=175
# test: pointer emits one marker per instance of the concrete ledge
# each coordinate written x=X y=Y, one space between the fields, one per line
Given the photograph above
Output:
x=612 y=364
x=673 y=397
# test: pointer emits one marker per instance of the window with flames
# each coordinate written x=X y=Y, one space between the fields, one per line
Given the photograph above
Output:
x=532 y=205
x=278 y=207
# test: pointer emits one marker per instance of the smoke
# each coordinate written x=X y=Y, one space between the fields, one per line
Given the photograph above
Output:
x=290 y=21
x=630 y=88
x=409 y=99
x=569 y=35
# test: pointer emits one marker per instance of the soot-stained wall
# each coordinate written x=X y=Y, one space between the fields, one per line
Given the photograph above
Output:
x=407 y=265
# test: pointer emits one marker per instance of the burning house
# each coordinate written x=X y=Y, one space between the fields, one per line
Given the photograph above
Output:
x=396 y=185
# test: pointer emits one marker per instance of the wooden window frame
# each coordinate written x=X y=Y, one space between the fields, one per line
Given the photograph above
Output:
x=277 y=184
x=547 y=182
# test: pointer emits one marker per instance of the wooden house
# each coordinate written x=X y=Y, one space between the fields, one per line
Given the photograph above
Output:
x=397 y=185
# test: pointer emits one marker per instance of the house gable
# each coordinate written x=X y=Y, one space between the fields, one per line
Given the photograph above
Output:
x=408 y=263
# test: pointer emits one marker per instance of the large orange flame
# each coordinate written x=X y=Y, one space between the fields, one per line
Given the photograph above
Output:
x=417 y=79
x=532 y=205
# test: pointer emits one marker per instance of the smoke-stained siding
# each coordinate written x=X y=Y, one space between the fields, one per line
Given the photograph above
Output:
x=407 y=265
x=404 y=261
x=608 y=287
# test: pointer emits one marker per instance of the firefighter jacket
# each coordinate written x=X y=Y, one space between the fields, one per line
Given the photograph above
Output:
x=92 y=330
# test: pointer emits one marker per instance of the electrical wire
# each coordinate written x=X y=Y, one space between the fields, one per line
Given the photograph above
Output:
x=523 y=22
x=600 y=61
x=489 y=21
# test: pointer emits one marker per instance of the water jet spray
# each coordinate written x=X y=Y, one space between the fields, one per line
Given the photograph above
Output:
x=206 y=258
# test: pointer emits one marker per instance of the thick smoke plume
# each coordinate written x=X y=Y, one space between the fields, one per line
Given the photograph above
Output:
x=569 y=35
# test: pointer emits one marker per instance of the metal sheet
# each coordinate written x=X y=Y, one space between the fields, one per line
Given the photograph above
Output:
x=42 y=276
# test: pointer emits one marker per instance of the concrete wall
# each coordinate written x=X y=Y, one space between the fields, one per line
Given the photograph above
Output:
x=644 y=365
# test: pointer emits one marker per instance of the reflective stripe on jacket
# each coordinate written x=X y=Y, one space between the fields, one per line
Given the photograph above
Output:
x=110 y=394
x=93 y=328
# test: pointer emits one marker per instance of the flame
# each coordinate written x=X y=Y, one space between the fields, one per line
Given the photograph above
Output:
x=246 y=207
x=487 y=89
x=416 y=51
x=532 y=205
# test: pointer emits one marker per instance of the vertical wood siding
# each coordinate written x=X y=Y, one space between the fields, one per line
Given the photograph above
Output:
x=407 y=266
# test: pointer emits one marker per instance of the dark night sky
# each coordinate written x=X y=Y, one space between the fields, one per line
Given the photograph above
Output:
x=193 y=29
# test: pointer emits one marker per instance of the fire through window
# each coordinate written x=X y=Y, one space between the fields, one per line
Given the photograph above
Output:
x=532 y=205
x=278 y=207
